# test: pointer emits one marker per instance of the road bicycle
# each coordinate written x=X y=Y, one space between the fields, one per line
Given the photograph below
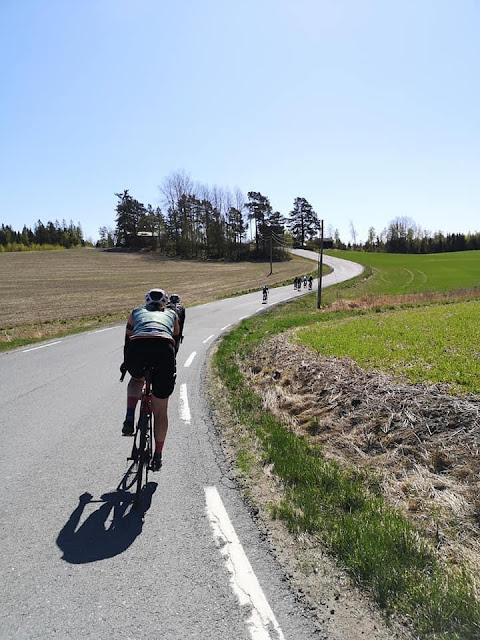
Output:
x=142 y=448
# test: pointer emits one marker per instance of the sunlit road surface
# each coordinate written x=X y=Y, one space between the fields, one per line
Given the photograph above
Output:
x=76 y=560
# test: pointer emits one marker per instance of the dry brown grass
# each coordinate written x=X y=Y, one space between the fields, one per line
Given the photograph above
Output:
x=419 y=444
x=46 y=292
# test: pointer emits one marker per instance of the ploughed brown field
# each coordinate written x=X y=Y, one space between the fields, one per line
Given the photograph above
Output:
x=42 y=291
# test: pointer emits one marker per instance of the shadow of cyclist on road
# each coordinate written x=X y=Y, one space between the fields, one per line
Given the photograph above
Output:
x=96 y=540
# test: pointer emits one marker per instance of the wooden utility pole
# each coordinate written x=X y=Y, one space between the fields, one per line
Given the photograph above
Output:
x=320 y=267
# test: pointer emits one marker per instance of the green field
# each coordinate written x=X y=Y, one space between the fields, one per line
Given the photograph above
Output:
x=439 y=343
x=396 y=274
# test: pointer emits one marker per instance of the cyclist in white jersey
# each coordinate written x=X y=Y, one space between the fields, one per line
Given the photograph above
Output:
x=151 y=335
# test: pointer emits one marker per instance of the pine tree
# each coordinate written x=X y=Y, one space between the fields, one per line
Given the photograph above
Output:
x=259 y=210
x=235 y=230
x=303 y=223
x=129 y=214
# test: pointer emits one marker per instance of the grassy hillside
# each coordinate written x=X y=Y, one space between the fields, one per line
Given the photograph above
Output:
x=397 y=274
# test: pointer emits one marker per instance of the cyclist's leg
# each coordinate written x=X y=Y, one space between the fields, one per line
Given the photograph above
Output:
x=134 y=392
x=134 y=389
x=160 y=421
x=160 y=412
x=134 y=364
x=163 y=384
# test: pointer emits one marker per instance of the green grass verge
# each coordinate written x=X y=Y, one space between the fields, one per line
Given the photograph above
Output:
x=378 y=546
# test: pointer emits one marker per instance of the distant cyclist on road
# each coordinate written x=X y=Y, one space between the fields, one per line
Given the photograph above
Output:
x=152 y=336
x=174 y=303
x=265 y=292
x=310 y=281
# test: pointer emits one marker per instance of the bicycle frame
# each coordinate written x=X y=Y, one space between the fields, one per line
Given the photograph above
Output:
x=146 y=400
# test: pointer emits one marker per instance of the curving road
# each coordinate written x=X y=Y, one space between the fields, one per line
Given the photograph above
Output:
x=75 y=560
x=342 y=269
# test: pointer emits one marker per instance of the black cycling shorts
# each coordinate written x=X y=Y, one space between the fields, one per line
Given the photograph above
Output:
x=158 y=352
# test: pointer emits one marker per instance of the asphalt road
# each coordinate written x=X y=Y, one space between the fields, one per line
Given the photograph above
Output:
x=76 y=560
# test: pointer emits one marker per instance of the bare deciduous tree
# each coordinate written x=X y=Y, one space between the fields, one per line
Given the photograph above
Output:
x=176 y=186
x=353 y=233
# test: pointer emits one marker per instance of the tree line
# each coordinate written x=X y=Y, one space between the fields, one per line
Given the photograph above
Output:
x=210 y=223
x=403 y=235
x=52 y=234
x=198 y=221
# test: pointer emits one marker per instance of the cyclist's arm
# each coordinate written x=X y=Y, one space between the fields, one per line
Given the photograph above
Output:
x=128 y=334
x=177 y=335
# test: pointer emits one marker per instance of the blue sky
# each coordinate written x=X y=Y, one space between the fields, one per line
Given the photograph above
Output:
x=368 y=109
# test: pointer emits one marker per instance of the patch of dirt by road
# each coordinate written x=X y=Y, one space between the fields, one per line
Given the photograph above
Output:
x=340 y=610
x=419 y=444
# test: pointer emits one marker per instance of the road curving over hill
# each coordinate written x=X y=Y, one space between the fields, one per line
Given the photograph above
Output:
x=341 y=269
x=76 y=561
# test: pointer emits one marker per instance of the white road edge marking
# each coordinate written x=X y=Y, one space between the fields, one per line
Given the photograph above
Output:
x=243 y=317
x=184 y=409
x=259 y=309
x=209 y=338
x=102 y=330
x=190 y=359
x=42 y=346
x=225 y=327
x=243 y=581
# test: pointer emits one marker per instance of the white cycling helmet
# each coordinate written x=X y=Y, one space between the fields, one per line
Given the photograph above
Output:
x=175 y=298
x=156 y=296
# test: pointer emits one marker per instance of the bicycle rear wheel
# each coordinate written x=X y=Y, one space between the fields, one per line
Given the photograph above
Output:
x=148 y=447
x=142 y=456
